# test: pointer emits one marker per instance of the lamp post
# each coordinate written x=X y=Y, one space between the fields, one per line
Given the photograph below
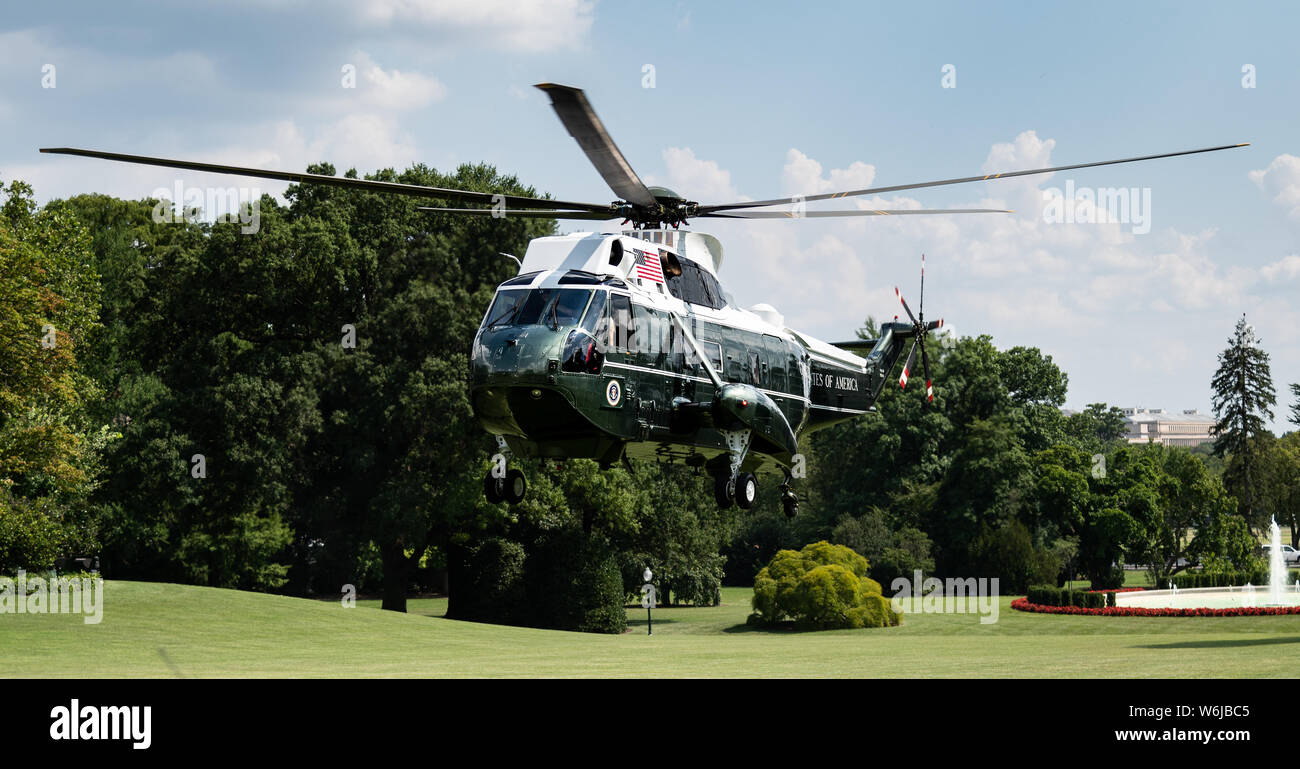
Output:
x=648 y=600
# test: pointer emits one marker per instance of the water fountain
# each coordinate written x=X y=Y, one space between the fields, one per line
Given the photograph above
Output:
x=1276 y=568
x=1242 y=596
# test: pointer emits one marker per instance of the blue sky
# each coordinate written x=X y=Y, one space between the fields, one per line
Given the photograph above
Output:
x=759 y=100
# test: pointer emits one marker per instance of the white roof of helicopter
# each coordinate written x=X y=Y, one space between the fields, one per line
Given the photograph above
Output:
x=589 y=251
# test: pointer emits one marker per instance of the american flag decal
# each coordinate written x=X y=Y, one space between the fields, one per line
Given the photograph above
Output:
x=648 y=267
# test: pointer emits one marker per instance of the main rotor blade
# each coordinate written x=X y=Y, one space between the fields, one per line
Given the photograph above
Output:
x=577 y=115
x=858 y=212
x=962 y=180
x=522 y=214
x=300 y=177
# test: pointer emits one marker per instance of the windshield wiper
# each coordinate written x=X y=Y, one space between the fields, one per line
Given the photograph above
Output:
x=555 y=318
x=505 y=316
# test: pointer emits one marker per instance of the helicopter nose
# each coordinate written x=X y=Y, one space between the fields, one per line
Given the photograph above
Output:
x=738 y=401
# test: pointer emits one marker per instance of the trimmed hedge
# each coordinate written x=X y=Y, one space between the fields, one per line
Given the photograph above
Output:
x=1046 y=595
x=1197 y=579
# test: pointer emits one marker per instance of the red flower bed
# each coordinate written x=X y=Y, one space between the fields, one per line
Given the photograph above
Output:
x=1023 y=604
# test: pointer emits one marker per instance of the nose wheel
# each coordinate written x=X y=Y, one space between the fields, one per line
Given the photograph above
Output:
x=502 y=484
x=511 y=488
x=743 y=491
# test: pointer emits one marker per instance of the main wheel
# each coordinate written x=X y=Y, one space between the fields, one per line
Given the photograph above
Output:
x=494 y=488
x=746 y=490
x=791 y=505
x=516 y=486
x=724 y=491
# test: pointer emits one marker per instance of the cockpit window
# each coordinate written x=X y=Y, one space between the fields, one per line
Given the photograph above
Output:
x=504 y=308
x=554 y=307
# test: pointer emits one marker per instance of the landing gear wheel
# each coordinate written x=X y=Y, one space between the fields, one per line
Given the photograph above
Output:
x=724 y=491
x=515 y=486
x=790 y=503
x=746 y=490
x=494 y=488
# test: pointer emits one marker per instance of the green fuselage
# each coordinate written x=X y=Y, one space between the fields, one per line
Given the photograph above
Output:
x=598 y=369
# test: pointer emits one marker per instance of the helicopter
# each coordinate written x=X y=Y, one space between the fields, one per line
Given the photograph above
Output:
x=619 y=345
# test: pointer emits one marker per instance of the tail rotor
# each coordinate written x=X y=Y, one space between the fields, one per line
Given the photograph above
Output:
x=920 y=330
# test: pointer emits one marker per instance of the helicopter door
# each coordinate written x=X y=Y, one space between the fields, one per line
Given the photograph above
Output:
x=620 y=327
x=773 y=373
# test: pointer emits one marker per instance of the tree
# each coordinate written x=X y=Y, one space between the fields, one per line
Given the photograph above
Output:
x=891 y=553
x=1191 y=500
x=1243 y=399
x=397 y=459
x=1283 y=486
x=1096 y=427
x=679 y=534
x=1295 y=407
x=50 y=442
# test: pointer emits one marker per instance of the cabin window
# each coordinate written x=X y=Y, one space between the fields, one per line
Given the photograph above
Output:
x=696 y=285
x=621 y=328
x=714 y=352
x=754 y=371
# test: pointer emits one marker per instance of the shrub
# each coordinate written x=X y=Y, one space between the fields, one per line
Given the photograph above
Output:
x=32 y=533
x=491 y=587
x=1196 y=579
x=1049 y=595
x=1008 y=553
x=573 y=583
x=822 y=586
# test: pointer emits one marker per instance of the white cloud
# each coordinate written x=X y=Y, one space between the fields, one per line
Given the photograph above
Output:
x=688 y=174
x=1286 y=268
x=394 y=89
x=1281 y=180
x=802 y=175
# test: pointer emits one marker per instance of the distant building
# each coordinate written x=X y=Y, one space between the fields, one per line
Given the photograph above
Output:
x=1190 y=428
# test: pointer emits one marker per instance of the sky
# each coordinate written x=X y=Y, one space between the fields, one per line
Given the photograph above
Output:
x=727 y=101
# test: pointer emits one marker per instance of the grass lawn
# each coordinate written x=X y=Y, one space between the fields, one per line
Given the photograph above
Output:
x=163 y=630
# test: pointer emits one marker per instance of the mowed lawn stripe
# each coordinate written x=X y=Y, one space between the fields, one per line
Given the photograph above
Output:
x=164 y=630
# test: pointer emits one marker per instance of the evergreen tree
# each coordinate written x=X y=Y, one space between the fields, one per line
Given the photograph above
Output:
x=1243 y=398
x=1295 y=407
